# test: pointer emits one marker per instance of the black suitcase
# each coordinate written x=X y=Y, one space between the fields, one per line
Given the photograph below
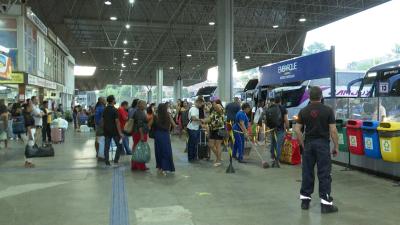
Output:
x=202 y=147
x=35 y=152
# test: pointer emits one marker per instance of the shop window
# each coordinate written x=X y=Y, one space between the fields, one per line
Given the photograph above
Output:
x=30 y=48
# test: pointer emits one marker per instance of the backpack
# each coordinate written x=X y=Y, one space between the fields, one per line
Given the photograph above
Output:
x=273 y=116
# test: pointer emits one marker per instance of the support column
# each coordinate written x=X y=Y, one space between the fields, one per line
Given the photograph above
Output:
x=225 y=49
x=21 y=92
x=178 y=85
x=159 y=82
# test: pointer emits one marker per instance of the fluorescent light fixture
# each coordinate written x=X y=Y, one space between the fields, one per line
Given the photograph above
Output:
x=84 y=71
x=275 y=26
x=131 y=1
x=123 y=65
x=83 y=52
x=113 y=18
x=107 y=2
x=125 y=42
x=4 y=49
x=134 y=63
x=247 y=57
x=212 y=23
x=189 y=55
x=372 y=74
x=126 y=53
x=135 y=59
x=124 y=50
x=171 y=68
x=302 y=19
x=127 y=26
x=2 y=88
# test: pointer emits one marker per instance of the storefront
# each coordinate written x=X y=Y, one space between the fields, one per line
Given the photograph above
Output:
x=46 y=66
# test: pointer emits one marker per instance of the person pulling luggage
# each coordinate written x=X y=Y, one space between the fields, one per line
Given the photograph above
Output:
x=320 y=125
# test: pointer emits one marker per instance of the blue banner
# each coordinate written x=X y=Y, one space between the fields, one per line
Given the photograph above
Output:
x=303 y=68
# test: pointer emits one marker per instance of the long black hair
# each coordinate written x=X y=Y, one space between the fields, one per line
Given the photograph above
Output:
x=163 y=117
x=134 y=103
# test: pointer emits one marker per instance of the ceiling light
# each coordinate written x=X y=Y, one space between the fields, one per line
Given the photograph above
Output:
x=275 y=26
x=113 y=18
x=121 y=71
x=2 y=88
x=115 y=58
x=212 y=23
x=123 y=65
x=126 y=53
x=171 y=68
x=135 y=59
x=124 y=50
x=125 y=42
x=107 y=2
x=134 y=63
x=247 y=57
x=84 y=70
x=189 y=55
x=127 y=26
x=198 y=65
x=83 y=52
x=302 y=19
x=131 y=1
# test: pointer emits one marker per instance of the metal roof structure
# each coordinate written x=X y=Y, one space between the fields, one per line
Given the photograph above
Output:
x=164 y=33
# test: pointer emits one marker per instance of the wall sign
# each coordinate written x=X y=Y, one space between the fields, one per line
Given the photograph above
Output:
x=39 y=24
x=37 y=81
x=15 y=78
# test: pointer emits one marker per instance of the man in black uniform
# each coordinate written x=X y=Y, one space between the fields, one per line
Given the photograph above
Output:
x=319 y=123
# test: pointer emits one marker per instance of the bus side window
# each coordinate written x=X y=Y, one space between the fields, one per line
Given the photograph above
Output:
x=395 y=91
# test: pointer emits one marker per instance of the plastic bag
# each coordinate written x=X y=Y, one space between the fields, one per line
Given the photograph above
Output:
x=142 y=153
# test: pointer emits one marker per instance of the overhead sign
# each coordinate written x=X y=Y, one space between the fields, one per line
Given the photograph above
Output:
x=15 y=78
x=37 y=81
x=303 y=68
x=39 y=24
x=384 y=87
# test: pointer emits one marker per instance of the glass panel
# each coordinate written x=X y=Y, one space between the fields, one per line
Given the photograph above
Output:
x=389 y=109
x=363 y=108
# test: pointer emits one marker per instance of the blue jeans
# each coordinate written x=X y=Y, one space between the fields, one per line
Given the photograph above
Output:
x=125 y=145
x=194 y=136
x=238 y=146
x=277 y=138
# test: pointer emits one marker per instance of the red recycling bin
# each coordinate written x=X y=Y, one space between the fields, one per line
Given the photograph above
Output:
x=355 y=137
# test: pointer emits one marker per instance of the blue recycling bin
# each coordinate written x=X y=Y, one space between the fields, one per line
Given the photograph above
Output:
x=371 y=139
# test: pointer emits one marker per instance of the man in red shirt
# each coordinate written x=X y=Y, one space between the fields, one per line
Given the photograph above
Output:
x=123 y=118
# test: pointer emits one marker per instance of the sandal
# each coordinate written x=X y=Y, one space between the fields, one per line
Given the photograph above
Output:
x=29 y=165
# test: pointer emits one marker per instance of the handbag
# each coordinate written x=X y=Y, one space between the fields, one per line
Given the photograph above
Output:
x=223 y=133
x=141 y=153
x=128 y=128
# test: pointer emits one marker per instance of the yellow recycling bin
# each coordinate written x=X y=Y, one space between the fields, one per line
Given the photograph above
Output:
x=389 y=139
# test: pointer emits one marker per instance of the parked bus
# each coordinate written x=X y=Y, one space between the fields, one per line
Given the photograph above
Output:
x=294 y=98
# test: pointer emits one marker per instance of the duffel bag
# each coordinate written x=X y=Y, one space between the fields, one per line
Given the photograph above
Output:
x=35 y=152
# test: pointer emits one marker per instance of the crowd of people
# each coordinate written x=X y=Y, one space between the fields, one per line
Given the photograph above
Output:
x=28 y=121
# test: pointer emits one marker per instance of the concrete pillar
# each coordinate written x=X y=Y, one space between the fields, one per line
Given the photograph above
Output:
x=178 y=85
x=21 y=92
x=225 y=49
x=150 y=97
x=159 y=83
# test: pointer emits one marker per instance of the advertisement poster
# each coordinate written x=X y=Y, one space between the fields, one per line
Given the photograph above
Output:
x=5 y=66
x=15 y=78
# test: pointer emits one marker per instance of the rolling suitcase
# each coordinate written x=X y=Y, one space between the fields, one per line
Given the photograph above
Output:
x=202 y=147
x=57 y=135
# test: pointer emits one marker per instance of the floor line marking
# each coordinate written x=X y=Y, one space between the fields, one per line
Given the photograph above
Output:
x=119 y=214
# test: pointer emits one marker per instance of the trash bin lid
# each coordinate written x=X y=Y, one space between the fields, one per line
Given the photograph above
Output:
x=389 y=126
x=354 y=123
x=340 y=122
x=370 y=125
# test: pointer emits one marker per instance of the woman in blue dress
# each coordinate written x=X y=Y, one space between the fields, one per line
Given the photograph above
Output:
x=162 y=125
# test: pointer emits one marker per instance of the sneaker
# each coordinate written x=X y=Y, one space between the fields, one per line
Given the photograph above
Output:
x=327 y=205
x=325 y=209
x=305 y=204
x=277 y=164
x=273 y=164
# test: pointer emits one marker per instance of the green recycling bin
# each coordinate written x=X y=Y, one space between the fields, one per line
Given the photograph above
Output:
x=342 y=134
